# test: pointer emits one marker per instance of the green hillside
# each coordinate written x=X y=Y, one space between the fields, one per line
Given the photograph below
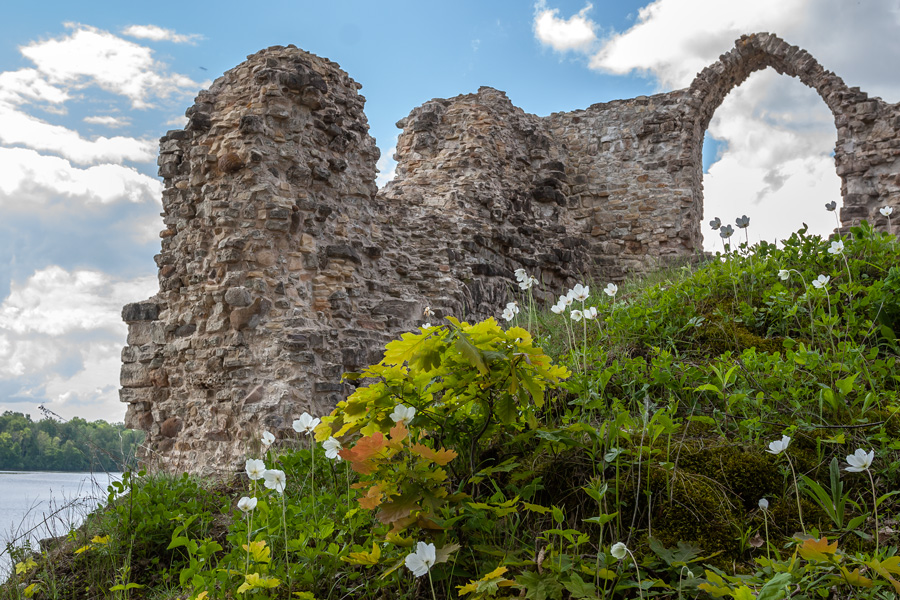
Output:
x=722 y=430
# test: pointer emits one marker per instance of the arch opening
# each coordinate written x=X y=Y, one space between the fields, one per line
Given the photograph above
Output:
x=772 y=140
x=773 y=147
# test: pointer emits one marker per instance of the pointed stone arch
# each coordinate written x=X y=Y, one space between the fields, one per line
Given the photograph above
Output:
x=867 y=147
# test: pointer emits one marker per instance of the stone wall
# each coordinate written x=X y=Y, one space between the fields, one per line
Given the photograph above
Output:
x=282 y=266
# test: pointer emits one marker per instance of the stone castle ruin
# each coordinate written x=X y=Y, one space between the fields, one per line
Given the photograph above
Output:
x=283 y=266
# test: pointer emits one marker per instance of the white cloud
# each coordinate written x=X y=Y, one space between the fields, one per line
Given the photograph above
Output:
x=673 y=40
x=21 y=357
x=55 y=302
x=92 y=392
x=61 y=336
x=17 y=127
x=107 y=120
x=574 y=33
x=179 y=122
x=387 y=166
x=29 y=85
x=27 y=177
x=159 y=34
x=92 y=56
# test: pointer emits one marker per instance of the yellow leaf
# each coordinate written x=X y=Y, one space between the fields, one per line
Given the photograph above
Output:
x=855 y=578
x=398 y=540
x=202 y=595
x=536 y=508
x=494 y=578
x=30 y=590
x=716 y=587
x=100 y=540
x=83 y=549
x=817 y=549
x=24 y=567
x=255 y=580
x=882 y=569
x=891 y=565
x=364 y=558
x=259 y=552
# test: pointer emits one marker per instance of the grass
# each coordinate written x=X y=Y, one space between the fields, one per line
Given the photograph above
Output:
x=623 y=456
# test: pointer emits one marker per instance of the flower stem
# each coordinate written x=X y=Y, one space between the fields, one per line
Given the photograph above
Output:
x=796 y=491
x=584 y=344
x=875 y=508
x=249 y=529
x=312 y=472
x=637 y=571
x=430 y=582
x=766 y=521
x=287 y=568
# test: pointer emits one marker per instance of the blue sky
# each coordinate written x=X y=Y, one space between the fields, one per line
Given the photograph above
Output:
x=86 y=90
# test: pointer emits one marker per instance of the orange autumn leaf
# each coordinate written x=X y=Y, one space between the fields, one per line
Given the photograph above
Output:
x=372 y=498
x=817 y=549
x=441 y=457
x=398 y=433
x=361 y=456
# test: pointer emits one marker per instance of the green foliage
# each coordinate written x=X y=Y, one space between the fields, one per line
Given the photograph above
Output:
x=468 y=383
x=75 y=445
x=639 y=476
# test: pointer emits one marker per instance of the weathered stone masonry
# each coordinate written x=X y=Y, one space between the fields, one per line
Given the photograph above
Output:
x=282 y=266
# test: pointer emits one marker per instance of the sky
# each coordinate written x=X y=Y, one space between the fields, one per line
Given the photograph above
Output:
x=86 y=90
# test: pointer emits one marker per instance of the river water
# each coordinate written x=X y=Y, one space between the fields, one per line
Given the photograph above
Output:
x=37 y=505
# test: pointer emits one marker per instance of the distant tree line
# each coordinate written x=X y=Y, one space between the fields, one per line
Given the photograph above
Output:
x=74 y=445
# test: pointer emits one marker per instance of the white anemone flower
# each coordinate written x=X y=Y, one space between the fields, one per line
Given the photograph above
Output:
x=255 y=468
x=837 y=247
x=426 y=326
x=306 y=423
x=332 y=446
x=521 y=274
x=275 y=480
x=860 y=461
x=428 y=312
x=831 y=206
x=763 y=504
x=821 y=281
x=576 y=315
x=421 y=561
x=560 y=306
x=590 y=313
x=403 y=414
x=619 y=550
x=247 y=504
x=886 y=210
x=784 y=274
x=611 y=290
x=779 y=446
x=528 y=283
x=570 y=298
x=268 y=439
x=510 y=312
x=580 y=292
